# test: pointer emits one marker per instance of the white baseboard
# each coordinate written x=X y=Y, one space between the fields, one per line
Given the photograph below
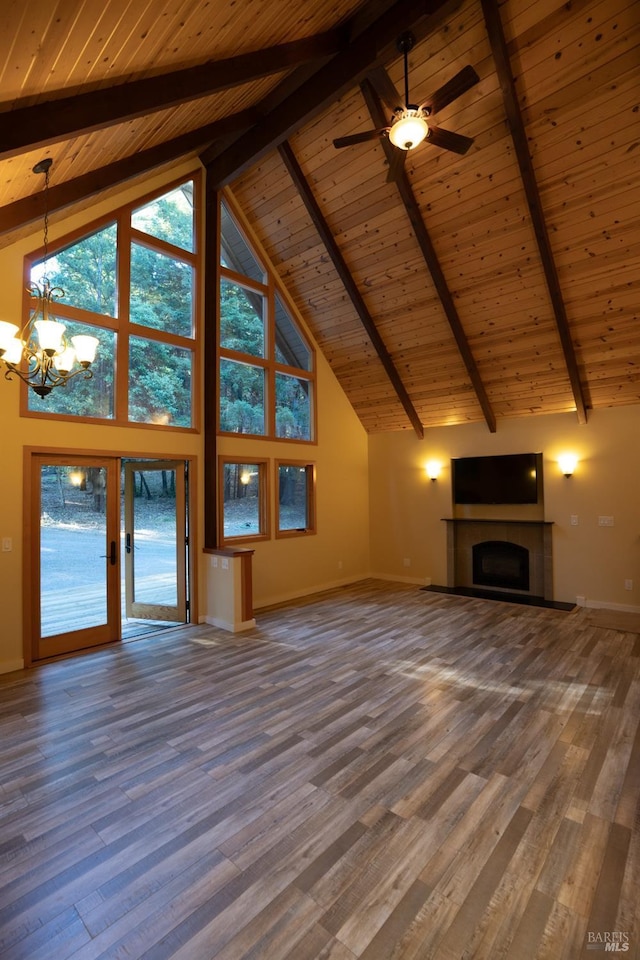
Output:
x=10 y=666
x=605 y=605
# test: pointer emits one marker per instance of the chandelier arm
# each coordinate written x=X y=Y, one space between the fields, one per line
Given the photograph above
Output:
x=44 y=375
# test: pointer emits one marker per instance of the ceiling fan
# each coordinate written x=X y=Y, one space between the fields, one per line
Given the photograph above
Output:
x=409 y=124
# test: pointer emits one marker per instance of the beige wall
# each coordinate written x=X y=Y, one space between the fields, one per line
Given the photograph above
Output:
x=282 y=568
x=590 y=561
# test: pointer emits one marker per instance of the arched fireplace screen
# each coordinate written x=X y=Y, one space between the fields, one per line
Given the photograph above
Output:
x=499 y=563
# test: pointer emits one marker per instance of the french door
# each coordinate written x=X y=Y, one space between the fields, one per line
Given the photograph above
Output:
x=75 y=588
x=155 y=540
x=86 y=571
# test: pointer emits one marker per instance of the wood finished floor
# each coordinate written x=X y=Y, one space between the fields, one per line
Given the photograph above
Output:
x=378 y=773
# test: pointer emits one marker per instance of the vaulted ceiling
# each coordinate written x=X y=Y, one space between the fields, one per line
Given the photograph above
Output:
x=502 y=282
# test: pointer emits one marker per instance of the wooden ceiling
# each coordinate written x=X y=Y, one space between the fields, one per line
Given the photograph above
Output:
x=499 y=283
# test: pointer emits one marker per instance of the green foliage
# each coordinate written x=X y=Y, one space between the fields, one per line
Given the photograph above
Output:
x=161 y=298
x=86 y=271
x=161 y=291
x=293 y=408
x=241 y=398
x=242 y=384
x=169 y=218
x=159 y=383
x=241 y=319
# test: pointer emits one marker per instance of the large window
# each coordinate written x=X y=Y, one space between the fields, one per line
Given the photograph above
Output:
x=267 y=374
x=131 y=282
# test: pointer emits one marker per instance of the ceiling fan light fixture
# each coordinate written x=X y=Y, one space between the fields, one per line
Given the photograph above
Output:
x=409 y=128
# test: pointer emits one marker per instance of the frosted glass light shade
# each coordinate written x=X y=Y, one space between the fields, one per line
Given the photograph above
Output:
x=13 y=351
x=7 y=332
x=409 y=130
x=85 y=348
x=567 y=463
x=64 y=361
x=50 y=334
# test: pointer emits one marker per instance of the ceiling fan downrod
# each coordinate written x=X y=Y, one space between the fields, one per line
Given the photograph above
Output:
x=405 y=43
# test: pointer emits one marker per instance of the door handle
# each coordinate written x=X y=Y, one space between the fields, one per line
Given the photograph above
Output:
x=112 y=557
x=128 y=543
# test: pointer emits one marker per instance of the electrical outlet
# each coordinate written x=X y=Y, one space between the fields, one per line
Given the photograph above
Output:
x=628 y=584
x=225 y=563
x=574 y=520
x=7 y=545
x=214 y=561
x=605 y=521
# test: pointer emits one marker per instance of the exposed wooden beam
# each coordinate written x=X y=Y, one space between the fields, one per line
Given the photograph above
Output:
x=21 y=212
x=341 y=73
x=39 y=124
x=516 y=126
x=210 y=338
x=430 y=257
x=350 y=285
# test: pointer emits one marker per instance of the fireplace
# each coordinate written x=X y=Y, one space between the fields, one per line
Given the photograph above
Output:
x=500 y=563
x=500 y=556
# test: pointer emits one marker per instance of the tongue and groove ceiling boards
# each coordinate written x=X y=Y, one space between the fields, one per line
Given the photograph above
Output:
x=498 y=283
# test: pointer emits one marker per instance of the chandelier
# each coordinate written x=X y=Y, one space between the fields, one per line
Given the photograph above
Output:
x=40 y=354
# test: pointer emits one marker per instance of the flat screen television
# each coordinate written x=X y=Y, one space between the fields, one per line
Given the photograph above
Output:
x=513 y=478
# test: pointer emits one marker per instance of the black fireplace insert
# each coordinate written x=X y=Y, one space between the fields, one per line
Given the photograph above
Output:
x=499 y=563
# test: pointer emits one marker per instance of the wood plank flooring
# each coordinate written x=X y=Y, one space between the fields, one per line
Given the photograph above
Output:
x=376 y=772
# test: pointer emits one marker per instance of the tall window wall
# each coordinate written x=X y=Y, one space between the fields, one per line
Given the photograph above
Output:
x=132 y=282
x=267 y=374
x=266 y=390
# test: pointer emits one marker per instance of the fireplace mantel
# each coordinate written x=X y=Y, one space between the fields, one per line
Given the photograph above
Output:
x=534 y=535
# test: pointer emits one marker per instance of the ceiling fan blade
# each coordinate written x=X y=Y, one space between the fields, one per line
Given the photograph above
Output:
x=357 y=138
x=383 y=86
x=448 y=140
x=396 y=164
x=452 y=89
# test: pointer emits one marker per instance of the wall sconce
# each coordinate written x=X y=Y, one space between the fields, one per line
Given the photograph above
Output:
x=433 y=468
x=567 y=463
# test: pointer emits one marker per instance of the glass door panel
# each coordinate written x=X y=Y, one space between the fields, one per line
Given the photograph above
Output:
x=155 y=541
x=76 y=555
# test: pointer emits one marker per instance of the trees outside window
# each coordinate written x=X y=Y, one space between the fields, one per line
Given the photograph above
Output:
x=132 y=283
x=243 y=500
x=295 y=498
x=267 y=375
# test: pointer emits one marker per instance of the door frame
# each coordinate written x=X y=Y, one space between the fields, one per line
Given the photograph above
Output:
x=31 y=530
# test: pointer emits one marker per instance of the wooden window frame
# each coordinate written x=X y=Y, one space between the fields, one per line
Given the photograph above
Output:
x=123 y=327
x=267 y=363
x=310 y=469
x=264 y=513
